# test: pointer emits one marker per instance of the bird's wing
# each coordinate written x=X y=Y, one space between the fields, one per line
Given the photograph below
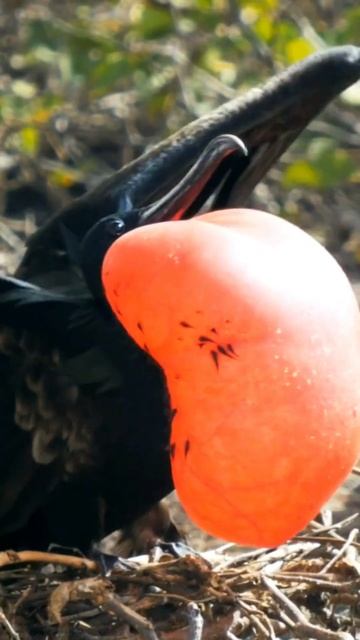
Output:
x=81 y=407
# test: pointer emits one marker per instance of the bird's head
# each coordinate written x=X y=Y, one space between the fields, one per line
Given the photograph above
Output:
x=175 y=205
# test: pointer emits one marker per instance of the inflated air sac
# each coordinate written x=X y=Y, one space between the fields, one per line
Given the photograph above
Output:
x=258 y=332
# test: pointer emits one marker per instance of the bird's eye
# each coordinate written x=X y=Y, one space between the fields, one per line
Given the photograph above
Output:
x=115 y=227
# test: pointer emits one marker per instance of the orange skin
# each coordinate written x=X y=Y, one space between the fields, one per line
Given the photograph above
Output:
x=257 y=329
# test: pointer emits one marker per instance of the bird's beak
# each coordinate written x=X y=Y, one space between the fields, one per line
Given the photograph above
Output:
x=177 y=203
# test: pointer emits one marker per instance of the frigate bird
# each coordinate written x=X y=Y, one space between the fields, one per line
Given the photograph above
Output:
x=85 y=415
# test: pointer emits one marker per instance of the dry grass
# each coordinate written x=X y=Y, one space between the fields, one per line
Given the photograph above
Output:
x=308 y=588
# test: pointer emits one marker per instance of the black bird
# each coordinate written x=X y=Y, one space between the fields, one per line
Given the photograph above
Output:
x=85 y=416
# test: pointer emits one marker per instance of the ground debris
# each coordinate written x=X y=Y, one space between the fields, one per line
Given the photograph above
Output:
x=307 y=588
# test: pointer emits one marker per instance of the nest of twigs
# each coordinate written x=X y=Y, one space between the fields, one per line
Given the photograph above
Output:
x=308 y=588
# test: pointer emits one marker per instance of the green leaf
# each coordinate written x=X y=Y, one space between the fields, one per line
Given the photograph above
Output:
x=349 y=27
x=297 y=49
x=105 y=74
x=334 y=165
x=265 y=28
x=301 y=174
x=326 y=166
x=30 y=140
x=153 y=23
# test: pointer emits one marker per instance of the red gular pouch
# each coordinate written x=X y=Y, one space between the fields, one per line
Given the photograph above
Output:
x=258 y=332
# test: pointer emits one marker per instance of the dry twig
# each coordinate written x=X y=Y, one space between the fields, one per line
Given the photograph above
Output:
x=8 y=626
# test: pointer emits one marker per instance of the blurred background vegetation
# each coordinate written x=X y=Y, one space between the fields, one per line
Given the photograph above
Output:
x=87 y=86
